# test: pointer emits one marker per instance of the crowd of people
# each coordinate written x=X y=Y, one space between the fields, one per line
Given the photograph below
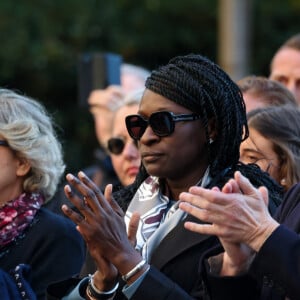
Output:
x=196 y=195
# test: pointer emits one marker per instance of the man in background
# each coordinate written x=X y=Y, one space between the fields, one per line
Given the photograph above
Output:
x=285 y=65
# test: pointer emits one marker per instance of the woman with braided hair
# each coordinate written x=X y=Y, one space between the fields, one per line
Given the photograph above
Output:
x=189 y=127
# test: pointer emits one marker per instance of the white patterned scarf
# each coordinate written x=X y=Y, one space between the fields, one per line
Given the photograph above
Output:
x=158 y=214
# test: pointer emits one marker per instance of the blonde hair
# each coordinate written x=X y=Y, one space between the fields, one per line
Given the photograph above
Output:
x=28 y=129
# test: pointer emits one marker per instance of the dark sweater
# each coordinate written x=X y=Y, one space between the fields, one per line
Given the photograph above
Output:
x=51 y=246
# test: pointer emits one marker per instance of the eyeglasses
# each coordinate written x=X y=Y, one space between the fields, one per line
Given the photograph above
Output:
x=116 y=145
x=4 y=143
x=162 y=123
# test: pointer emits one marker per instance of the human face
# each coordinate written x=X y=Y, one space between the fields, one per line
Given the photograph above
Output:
x=259 y=150
x=181 y=156
x=285 y=68
x=127 y=163
x=11 y=182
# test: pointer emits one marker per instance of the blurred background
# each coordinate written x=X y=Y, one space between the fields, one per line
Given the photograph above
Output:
x=41 y=41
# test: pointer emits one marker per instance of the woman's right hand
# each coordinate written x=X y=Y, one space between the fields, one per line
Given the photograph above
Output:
x=101 y=223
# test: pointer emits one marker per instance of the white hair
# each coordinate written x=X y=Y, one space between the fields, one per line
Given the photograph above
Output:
x=28 y=129
x=133 y=98
x=138 y=71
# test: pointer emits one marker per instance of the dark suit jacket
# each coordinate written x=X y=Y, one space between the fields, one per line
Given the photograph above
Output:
x=174 y=271
x=177 y=258
x=174 y=267
x=276 y=267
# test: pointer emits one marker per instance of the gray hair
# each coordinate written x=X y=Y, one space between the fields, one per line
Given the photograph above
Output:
x=28 y=129
x=133 y=98
x=137 y=71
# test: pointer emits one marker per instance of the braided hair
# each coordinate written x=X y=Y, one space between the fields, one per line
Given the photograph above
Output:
x=198 y=84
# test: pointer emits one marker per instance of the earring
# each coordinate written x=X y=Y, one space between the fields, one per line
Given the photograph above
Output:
x=283 y=181
x=211 y=140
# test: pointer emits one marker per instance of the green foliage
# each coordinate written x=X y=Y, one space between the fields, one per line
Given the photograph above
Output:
x=273 y=22
x=42 y=39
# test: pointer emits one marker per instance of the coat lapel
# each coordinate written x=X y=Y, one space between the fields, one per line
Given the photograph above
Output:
x=176 y=241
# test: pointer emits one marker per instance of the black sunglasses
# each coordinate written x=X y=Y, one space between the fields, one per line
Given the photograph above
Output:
x=4 y=143
x=116 y=145
x=162 y=123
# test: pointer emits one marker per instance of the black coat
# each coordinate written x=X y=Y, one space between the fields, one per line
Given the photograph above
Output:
x=51 y=246
x=177 y=258
x=174 y=263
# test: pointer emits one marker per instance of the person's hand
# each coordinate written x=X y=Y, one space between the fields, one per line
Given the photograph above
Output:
x=238 y=217
x=106 y=274
x=234 y=215
x=100 y=221
x=133 y=227
x=105 y=278
x=238 y=256
x=109 y=98
x=102 y=104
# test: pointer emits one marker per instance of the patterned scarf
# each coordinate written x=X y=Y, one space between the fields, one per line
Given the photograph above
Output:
x=158 y=214
x=17 y=214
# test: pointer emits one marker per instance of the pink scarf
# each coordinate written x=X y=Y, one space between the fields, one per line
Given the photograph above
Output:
x=17 y=214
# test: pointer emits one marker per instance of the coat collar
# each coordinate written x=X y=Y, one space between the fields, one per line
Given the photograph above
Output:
x=176 y=241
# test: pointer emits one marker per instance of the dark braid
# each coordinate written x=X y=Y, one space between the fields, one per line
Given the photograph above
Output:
x=201 y=86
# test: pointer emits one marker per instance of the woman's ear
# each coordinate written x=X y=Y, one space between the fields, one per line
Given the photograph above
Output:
x=23 y=167
x=212 y=130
